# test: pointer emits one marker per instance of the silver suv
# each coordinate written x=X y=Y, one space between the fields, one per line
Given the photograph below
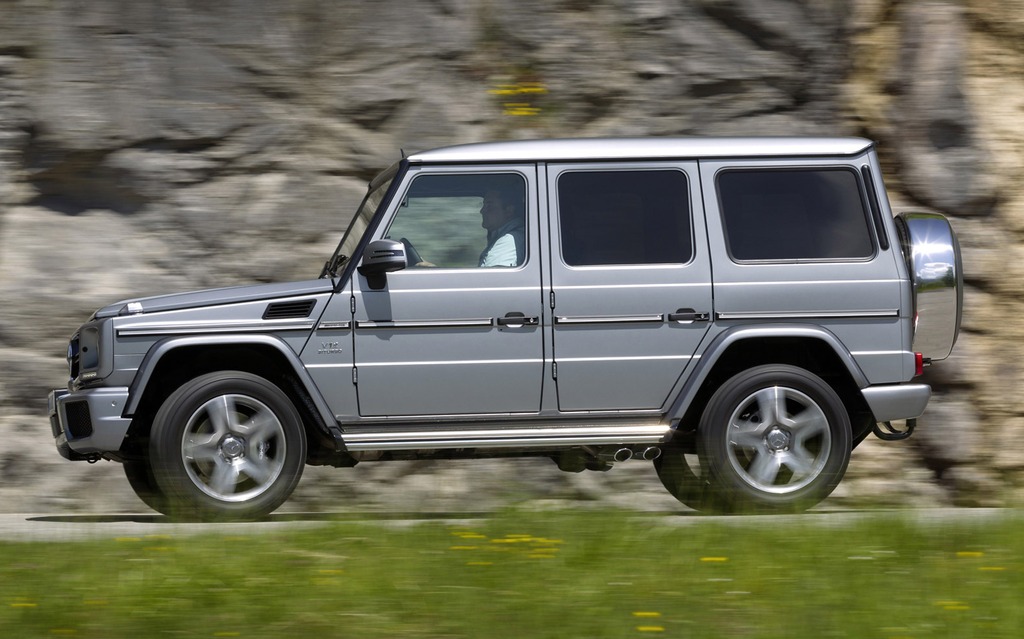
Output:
x=741 y=311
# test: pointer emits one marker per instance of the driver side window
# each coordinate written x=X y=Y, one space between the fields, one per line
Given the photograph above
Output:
x=463 y=221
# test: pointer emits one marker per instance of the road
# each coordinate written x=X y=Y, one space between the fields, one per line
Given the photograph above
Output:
x=57 y=528
x=26 y=527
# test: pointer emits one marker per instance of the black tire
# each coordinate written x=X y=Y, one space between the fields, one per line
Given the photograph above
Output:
x=681 y=473
x=140 y=477
x=774 y=438
x=226 y=445
x=861 y=426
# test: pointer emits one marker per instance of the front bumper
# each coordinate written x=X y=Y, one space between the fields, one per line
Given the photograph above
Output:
x=88 y=422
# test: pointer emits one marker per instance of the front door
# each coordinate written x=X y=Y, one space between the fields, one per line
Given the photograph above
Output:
x=458 y=331
x=630 y=281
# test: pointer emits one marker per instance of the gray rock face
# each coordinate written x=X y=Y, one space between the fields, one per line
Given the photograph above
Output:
x=944 y=164
x=151 y=147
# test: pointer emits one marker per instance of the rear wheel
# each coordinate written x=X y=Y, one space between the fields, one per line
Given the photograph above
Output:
x=774 y=438
x=227 y=445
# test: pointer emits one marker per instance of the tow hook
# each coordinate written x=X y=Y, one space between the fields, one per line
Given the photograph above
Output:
x=93 y=458
x=887 y=432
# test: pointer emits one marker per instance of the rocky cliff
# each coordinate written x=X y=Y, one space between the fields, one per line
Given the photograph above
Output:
x=162 y=145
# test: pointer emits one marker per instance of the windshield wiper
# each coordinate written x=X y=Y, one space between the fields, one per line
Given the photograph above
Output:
x=332 y=265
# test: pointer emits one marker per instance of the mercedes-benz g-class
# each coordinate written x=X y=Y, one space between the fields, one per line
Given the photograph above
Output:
x=741 y=311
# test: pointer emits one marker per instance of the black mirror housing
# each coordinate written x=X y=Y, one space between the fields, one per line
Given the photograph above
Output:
x=381 y=257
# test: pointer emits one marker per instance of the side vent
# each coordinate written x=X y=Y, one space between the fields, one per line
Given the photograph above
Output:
x=289 y=310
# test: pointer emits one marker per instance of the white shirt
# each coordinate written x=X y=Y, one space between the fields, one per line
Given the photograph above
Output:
x=503 y=251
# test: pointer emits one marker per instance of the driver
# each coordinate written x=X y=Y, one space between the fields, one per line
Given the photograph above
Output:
x=503 y=214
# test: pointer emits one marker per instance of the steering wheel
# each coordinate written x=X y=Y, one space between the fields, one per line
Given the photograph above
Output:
x=412 y=256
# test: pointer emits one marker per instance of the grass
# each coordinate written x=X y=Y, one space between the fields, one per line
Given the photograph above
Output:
x=531 y=575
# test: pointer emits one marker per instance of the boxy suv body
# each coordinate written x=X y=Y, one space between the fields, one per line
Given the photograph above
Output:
x=742 y=311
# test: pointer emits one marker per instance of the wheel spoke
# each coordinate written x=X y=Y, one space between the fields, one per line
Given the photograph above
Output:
x=808 y=424
x=799 y=460
x=221 y=411
x=259 y=470
x=260 y=428
x=764 y=469
x=747 y=435
x=202 y=447
x=771 y=404
x=224 y=478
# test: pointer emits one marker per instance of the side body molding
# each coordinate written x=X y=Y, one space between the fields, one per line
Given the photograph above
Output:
x=721 y=343
x=165 y=346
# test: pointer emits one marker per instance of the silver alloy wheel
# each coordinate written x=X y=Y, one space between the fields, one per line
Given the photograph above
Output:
x=779 y=440
x=233 y=448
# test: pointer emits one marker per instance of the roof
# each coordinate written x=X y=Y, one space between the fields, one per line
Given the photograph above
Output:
x=643 y=148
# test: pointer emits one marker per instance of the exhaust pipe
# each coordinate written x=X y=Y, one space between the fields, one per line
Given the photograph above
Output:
x=650 y=453
x=622 y=454
x=609 y=455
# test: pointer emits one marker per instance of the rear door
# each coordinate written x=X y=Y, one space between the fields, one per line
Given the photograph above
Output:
x=630 y=281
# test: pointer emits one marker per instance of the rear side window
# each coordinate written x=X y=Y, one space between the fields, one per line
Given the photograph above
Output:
x=624 y=217
x=794 y=214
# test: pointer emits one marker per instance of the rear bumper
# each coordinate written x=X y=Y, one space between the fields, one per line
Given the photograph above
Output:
x=897 y=401
x=88 y=422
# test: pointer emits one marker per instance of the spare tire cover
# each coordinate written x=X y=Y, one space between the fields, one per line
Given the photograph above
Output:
x=932 y=253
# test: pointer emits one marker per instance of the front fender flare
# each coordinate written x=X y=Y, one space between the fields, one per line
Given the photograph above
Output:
x=170 y=344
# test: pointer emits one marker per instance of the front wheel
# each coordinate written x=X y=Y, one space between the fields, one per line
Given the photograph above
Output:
x=140 y=477
x=774 y=438
x=227 y=445
x=681 y=473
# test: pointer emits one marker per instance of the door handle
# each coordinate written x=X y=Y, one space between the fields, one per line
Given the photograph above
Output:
x=684 y=315
x=516 y=319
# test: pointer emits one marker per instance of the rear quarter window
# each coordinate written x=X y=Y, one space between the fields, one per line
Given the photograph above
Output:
x=794 y=214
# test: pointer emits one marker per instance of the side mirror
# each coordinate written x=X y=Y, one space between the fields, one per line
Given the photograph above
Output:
x=379 y=258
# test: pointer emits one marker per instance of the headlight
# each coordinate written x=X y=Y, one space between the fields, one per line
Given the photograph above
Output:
x=73 y=360
x=86 y=359
x=89 y=350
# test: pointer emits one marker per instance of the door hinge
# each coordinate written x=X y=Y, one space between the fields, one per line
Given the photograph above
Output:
x=352 y=304
x=552 y=299
x=554 y=370
x=355 y=376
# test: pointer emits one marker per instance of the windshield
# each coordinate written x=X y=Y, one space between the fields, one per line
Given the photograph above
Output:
x=361 y=220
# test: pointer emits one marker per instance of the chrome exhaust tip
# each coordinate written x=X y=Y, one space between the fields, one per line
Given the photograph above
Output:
x=622 y=454
x=650 y=453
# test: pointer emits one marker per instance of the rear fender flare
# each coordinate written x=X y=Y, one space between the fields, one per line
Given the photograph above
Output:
x=724 y=340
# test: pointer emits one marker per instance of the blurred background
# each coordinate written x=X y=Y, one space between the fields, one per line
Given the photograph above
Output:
x=155 y=146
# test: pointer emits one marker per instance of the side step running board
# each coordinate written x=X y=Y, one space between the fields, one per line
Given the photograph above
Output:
x=506 y=437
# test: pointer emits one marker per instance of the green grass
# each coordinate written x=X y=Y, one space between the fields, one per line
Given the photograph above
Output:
x=531 y=575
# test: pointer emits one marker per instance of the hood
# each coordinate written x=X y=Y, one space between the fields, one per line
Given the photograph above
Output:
x=213 y=297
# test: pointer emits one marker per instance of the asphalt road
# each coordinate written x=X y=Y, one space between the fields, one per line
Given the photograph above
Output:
x=22 y=527
x=57 y=528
